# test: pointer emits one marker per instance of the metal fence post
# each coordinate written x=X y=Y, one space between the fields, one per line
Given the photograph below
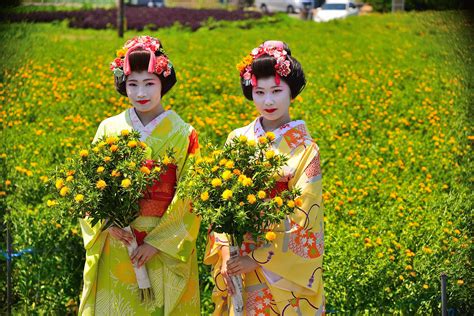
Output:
x=444 y=302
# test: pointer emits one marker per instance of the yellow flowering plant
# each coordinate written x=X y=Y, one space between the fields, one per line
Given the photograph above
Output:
x=106 y=180
x=234 y=189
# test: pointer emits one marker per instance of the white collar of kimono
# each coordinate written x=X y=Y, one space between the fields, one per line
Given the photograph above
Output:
x=280 y=131
x=146 y=131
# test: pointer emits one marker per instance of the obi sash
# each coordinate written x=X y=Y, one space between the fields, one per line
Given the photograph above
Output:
x=158 y=197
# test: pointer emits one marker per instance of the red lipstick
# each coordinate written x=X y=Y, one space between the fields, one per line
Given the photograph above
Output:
x=270 y=110
x=143 y=101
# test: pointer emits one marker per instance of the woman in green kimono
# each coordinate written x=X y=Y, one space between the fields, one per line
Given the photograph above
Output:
x=283 y=277
x=166 y=229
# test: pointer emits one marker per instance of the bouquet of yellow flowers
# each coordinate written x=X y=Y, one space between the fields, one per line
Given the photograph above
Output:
x=105 y=184
x=234 y=191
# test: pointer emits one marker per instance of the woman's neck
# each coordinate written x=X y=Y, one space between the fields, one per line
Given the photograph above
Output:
x=147 y=117
x=270 y=126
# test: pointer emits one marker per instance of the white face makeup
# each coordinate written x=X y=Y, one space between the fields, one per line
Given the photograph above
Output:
x=144 y=92
x=272 y=102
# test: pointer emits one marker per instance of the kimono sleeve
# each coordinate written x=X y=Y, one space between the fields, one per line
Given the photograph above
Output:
x=293 y=261
x=175 y=235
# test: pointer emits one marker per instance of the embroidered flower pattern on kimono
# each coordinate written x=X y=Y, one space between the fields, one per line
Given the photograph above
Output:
x=259 y=302
x=305 y=243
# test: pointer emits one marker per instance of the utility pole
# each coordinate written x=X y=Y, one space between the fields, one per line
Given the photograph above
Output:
x=398 y=5
x=120 y=17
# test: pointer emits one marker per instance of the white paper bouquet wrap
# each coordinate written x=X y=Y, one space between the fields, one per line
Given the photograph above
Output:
x=237 y=297
x=144 y=285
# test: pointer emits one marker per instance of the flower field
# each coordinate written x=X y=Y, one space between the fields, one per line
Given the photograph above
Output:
x=388 y=100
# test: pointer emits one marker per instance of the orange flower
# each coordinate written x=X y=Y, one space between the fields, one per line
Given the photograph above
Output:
x=145 y=170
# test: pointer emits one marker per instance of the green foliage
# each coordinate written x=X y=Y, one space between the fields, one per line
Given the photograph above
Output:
x=387 y=101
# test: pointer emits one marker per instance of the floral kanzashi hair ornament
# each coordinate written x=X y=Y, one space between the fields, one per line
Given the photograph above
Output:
x=271 y=48
x=159 y=65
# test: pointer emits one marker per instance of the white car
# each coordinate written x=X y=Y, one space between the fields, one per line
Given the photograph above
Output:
x=289 y=6
x=335 y=10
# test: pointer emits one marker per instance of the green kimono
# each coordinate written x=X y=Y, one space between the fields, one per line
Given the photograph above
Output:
x=110 y=286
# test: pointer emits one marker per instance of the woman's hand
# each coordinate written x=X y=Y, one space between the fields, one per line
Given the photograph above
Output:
x=142 y=254
x=224 y=271
x=241 y=265
x=118 y=233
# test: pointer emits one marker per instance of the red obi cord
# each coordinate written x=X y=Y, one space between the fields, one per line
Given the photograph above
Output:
x=280 y=186
x=159 y=196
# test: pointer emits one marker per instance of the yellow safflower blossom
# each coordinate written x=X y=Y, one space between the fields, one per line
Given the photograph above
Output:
x=132 y=144
x=270 y=236
x=226 y=175
x=64 y=191
x=270 y=135
x=229 y=164
x=107 y=159
x=84 y=153
x=59 y=183
x=124 y=132
x=126 y=183
x=100 y=169
x=261 y=194
x=227 y=194
x=145 y=170
x=251 y=198
x=222 y=162
x=247 y=182
x=262 y=140
x=270 y=154
x=243 y=138
x=114 y=148
x=111 y=140
x=278 y=200
x=69 y=178
x=251 y=143
x=216 y=182
x=167 y=160
x=79 y=198
x=205 y=196
x=291 y=204
x=101 y=184
x=299 y=202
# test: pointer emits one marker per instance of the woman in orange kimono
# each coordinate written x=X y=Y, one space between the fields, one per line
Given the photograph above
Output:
x=283 y=277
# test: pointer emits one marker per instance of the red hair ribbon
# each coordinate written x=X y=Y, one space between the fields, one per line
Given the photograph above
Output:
x=277 y=79
x=254 y=81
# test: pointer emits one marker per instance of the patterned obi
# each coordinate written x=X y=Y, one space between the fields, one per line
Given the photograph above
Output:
x=159 y=196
